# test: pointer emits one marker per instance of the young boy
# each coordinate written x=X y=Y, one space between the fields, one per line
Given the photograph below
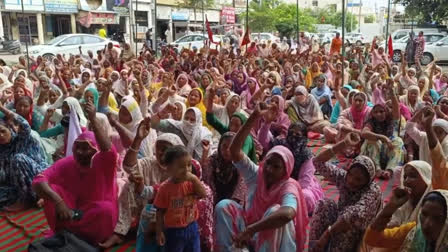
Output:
x=176 y=203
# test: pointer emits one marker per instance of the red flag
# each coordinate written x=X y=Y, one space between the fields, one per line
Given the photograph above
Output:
x=390 y=48
x=246 y=38
x=209 y=31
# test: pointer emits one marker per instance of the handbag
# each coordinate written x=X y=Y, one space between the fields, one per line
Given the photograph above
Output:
x=63 y=241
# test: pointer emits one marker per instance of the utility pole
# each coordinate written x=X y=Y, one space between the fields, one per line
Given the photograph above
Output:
x=387 y=26
x=359 y=17
x=26 y=40
x=203 y=19
x=155 y=27
x=247 y=20
x=136 y=27
x=297 y=20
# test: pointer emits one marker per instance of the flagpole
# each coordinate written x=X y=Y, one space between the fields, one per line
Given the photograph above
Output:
x=343 y=40
x=247 y=19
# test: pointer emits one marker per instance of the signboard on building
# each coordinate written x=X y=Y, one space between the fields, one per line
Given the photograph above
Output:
x=28 y=5
x=88 y=18
x=180 y=16
x=118 y=6
x=228 y=15
x=61 y=6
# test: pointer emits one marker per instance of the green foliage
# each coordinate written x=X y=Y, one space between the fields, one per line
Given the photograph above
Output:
x=426 y=10
x=328 y=16
x=272 y=15
x=369 y=19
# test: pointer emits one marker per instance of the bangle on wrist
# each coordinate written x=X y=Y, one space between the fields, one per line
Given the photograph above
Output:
x=133 y=150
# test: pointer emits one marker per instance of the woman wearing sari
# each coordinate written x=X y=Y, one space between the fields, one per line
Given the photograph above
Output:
x=93 y=166
x=240 y=80
x=305 y=108
x=323 y=94
x=428 y=233
x=296 y=141
x=246 y=95
x=276 y=215
x=383 y=143
x=340 y=226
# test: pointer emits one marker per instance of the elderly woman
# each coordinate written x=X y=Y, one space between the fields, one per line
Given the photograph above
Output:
x=340 y=226
x=21 y=158
x=275 y=217
x=94 y=204
x=305 y=108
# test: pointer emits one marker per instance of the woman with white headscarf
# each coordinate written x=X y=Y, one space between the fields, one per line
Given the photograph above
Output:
x=305 y=108
x=190 y=130
x=420 y=137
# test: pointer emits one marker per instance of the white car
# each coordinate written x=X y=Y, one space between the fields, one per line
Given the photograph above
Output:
x=265 y=36
x=193 y=40
x=400 y=44
x=69 y=44
x=326 y=38
x=356 y=38
x=437 y=50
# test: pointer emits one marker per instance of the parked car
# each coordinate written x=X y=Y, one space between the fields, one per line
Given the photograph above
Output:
x=264 y=36
x=327 y=37
x=193 y=40
x=356 y=38
x=400 y=33
x=69 y=44
x=400 y=44
x=437 y=50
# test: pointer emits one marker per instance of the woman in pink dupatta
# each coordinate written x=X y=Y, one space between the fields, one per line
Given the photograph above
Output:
x=246 y=95
x=86 y=182
x=275 y=217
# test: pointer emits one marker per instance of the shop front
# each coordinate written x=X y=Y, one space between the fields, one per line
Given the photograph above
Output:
x=58 y=18
x=17 y=25
x=180 y=23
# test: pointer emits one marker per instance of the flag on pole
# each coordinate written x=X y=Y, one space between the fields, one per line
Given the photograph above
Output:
x=209 y=32
x=246 y=38
x=390 y=48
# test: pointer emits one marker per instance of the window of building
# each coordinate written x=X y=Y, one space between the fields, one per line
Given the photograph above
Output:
x=315 y=3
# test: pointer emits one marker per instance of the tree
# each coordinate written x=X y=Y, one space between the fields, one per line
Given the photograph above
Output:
x=335 y=18
x=369 y=19
x=196 y=4
x=270 y=16
x=430 y=10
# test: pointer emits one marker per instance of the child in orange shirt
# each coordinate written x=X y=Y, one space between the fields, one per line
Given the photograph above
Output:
x=176 y=203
